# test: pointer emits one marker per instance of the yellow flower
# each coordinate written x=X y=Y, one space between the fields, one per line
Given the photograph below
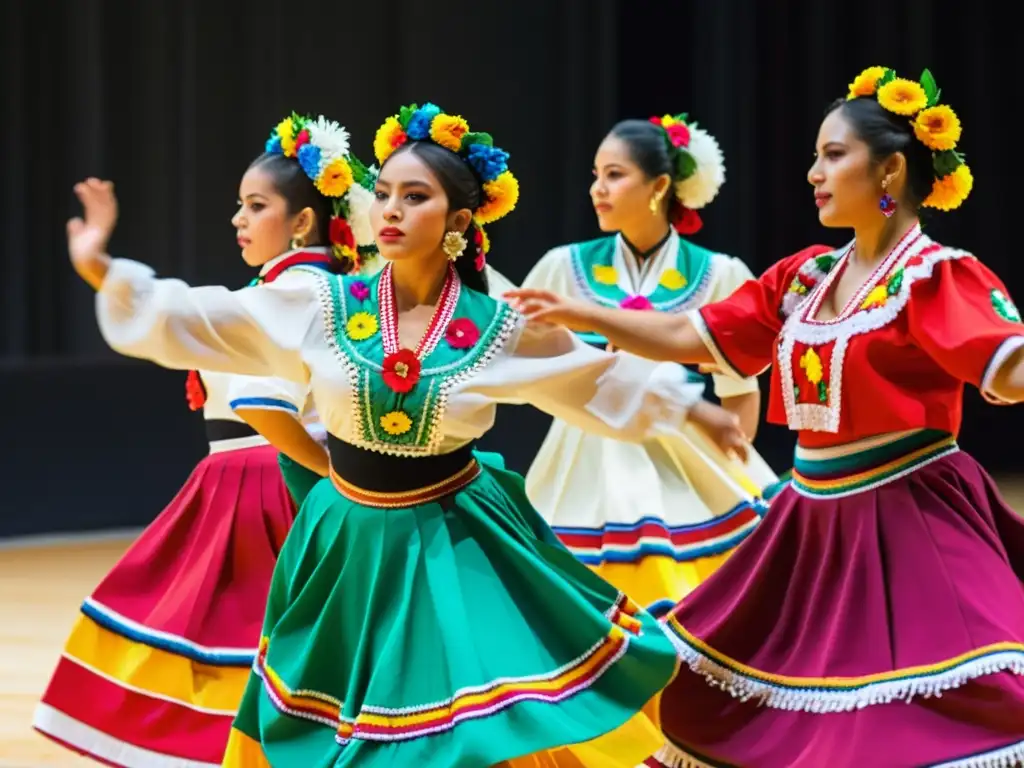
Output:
x=811 y=364
x=389 y=137
x=876 y=298
x=938 y=127
x=672 y=279
x=448 y=130
x=485 y=241
x=335 y=179
x=286 y=130
x=951 y=190
x=866 y=82
x=902 y=96
x=361 y=326
x=667 y=121
x=396 y=423
x=605 y=275
x=502 y=195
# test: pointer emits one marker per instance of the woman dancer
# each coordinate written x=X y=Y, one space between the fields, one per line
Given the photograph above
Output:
x=421 y=611
x=656 y=518
x=156 y=664
x=890 y=569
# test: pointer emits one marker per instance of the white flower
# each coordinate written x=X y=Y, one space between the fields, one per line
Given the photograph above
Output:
x=329 y=137
x=702 y=186
x=359 y=200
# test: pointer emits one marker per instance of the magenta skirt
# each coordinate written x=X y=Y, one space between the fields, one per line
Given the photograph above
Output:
x=156 y=664
x=874 y=618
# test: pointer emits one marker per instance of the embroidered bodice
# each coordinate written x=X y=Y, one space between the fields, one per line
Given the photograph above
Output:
x=928 y=319
x=338 y=336
x=679 y=276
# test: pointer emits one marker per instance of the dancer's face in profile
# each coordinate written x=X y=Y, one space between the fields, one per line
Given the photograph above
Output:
x=847 y=184
x=410 y=212
x=622 y=192
x=263 y=225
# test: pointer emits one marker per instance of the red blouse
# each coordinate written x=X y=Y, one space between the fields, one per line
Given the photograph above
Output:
x=928 y=319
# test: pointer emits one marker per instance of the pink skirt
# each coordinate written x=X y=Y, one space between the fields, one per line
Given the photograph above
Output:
x=874 y=618
x=156 y=665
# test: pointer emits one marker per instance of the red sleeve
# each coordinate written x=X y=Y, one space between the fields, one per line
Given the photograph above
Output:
x=740 y=330
x=963 y=317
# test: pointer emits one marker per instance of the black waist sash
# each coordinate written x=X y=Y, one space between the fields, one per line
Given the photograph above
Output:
x=383 y=473
x=225 y=429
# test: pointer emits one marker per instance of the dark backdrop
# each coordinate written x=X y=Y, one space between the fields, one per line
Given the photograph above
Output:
x=172 y=99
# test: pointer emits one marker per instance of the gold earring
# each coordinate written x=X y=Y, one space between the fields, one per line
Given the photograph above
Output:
x=454 y=244
x=656 y=203
x=299 y=241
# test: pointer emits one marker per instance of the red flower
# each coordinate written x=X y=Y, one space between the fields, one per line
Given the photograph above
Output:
x=302 y=138
x=686 y=221
x=195 y=392
x=462 y=333
x=480 y=261
x=401 y=370
x=341 y=233
x=679 y=135
x=656 y=121
x=636 y=302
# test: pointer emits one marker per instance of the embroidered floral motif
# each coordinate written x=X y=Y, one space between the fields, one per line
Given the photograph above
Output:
x=396 y=423
x=360 y=291
x=672 y=279
x=884 y=290
x=361 y=326
x=462 y=333
x=636 y=302
x=814 y=371
x=195 y=392
x=401 y=371
x=812 y=272
x=605 y=275
x=1004 y=306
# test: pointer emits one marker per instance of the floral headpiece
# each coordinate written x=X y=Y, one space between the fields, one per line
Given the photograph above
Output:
x=699 y=170
x=935 y=125
x=489 y=163
x=321 y=148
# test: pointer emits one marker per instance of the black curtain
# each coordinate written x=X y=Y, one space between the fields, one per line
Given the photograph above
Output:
x=173 y=98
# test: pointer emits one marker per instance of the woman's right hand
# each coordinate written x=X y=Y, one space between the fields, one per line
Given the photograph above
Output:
x=88 y=238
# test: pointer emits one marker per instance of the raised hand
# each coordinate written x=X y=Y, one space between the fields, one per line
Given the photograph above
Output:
x=549 y=307
x=88 y=238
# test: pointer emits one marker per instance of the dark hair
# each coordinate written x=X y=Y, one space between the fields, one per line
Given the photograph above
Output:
x=464 y=190
x=886 y=133
x=299 y=192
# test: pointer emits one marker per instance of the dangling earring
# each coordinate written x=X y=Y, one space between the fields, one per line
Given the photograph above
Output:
x=655 y=203
x=454 y=244
x=299 y=241
x=887 y=204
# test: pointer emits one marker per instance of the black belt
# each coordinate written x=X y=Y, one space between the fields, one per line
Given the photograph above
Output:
x=383 y=473
x=225 y=429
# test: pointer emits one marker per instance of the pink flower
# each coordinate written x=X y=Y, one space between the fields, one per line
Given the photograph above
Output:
x=480 y=262
x=636 y=302
x=359 y=290
x=679 y=135
x=462 y=333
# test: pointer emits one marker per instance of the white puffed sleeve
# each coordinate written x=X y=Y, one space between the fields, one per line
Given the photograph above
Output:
x=257 y=331
x=731 y=274
x=553 y=272
x=616 y=395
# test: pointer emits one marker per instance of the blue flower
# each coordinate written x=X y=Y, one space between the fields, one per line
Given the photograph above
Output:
x=419 y=124
x=489 y=162
x=309 y=159
x=273 y=146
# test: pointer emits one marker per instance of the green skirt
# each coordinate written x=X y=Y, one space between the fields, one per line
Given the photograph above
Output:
x=459 y=632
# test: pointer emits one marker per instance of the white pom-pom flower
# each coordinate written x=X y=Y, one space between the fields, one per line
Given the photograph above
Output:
x=359 y=200
x=329 y=137
x=703 y=184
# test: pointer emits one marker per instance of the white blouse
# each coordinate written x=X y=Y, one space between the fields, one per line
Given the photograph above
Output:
x=282 y=329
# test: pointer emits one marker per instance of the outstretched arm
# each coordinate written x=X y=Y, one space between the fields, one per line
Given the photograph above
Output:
x=654 y=335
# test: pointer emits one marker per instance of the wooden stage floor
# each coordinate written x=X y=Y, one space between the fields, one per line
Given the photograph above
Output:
x=41 y=587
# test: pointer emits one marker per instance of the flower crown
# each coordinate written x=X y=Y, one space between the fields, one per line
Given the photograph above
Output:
x=321 y=148
x=489 y=163
x=699 y=170
x=935 y=125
